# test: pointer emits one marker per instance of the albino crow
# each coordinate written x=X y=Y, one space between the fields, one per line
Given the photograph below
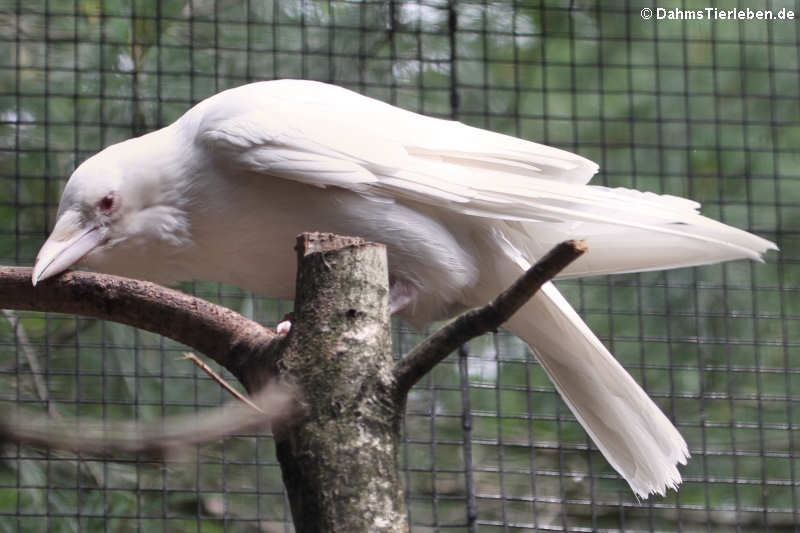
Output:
x=221 y=194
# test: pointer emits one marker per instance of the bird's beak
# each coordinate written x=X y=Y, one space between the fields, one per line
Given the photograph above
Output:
x=68 y=243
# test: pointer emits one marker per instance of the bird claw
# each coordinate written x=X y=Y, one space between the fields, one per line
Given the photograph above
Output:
x=285 y=325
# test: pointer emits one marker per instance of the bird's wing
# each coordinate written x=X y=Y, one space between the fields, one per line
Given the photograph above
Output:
x=329 y=136
x=317 y=117
x=325 y=135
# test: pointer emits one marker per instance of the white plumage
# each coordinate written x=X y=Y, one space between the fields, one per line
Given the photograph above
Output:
x=221 y=193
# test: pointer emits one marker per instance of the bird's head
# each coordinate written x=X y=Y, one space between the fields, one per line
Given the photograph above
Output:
x=115 y=212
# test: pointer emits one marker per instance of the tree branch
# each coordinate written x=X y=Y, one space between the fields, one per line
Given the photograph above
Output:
x=199 y=363
x=339 y=460
x=230 y=339
x=470 y=324
x=156 y=440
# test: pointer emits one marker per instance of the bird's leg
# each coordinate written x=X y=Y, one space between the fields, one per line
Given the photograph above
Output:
x=401 y=294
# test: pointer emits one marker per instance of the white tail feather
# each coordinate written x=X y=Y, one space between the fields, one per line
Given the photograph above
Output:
x=633 y=434
x=628 y=428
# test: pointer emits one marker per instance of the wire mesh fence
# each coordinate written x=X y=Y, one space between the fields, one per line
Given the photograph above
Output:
x=706 y=109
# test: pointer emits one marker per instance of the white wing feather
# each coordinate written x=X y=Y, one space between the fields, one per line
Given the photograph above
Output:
x=328 y=136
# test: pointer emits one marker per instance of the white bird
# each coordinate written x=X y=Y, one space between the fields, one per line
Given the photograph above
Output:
x=221 y=193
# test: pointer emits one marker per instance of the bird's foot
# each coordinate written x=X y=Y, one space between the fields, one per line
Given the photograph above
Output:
x=285 y=325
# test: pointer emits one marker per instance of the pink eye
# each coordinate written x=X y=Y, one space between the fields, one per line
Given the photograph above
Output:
x=106 y=202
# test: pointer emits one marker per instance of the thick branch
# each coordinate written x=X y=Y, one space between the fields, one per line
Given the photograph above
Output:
x=339 y=461
x=230 y=339
x=157 y=440
x=470 y=324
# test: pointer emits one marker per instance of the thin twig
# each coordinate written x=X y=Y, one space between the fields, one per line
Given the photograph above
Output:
x=219 y=379
x=30 y=354
x=157 y=440
x=41 y=389
x=470 y=324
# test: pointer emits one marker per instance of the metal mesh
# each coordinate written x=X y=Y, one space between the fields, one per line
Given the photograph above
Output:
x=699 y=108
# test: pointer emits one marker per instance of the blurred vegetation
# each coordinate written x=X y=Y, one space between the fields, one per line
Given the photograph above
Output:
x=702 y=109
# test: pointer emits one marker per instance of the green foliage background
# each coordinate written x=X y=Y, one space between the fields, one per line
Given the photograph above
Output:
x=704 y=109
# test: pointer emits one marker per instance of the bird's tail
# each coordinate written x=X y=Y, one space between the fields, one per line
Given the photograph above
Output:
x=636 y=438
x=626 y=231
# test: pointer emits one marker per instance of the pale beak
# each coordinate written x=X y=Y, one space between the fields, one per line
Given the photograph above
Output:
x=67 y=244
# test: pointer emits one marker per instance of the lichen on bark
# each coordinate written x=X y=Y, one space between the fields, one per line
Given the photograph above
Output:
x=339 y=460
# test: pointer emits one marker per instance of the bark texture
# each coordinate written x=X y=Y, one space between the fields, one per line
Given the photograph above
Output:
x=243 y=346
x=339 y=460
